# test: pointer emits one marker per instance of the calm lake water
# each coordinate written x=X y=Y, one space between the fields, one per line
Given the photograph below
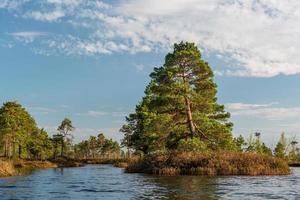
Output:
x=107 y=182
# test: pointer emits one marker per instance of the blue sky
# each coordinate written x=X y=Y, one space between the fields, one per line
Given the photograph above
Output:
x=90 y=60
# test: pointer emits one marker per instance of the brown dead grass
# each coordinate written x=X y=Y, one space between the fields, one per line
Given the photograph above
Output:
x=7 y=168
x=34 y=164
x=210 y=164
x=20 y=167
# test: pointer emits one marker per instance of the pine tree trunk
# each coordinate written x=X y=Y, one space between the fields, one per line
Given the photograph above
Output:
x=190 y=122
x=20 y=150
x=62 y=147
x=189 y=117
x=14 y=148
x=5 y=149
x=55 y=153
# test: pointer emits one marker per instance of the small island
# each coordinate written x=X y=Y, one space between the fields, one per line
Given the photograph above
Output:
x=180 y=129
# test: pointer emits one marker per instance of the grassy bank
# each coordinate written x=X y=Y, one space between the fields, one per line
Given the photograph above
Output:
x=19 y=167
x=211 y=164
x=68 y=162
x=117 y=162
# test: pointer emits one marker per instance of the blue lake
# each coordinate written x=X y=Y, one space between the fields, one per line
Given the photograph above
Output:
x=107 y=182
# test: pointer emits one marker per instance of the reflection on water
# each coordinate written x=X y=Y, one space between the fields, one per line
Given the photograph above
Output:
x=184 y=187
x=107 y=182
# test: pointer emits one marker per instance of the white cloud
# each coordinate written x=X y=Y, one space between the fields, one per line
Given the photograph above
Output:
x=139 y=67
x=255 y=38
x=46 y=16
x=11 y=4
x=94 y=113
x=41 y=110
x=64 y=106
x=27 y=36
x=262 y=36
x=263 y=111
x=243 y=106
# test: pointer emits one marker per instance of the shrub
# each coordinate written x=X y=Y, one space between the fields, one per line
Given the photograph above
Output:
x=192 y=144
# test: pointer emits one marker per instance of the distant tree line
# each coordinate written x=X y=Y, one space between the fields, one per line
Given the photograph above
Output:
x=97 y=147
x=20 y=137
x=285 y=148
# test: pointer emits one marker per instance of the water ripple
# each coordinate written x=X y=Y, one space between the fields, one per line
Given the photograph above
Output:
x=107 y=182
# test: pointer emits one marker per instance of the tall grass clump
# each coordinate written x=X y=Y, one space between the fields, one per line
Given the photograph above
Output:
x=7 y=168
x=209 y=164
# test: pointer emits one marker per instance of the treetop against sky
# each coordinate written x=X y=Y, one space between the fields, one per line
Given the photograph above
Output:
x=90 y=60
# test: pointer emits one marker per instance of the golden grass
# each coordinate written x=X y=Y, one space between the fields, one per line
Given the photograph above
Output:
x=20 y=167
x=34 y=164
x=210 y=164
x=7 y=168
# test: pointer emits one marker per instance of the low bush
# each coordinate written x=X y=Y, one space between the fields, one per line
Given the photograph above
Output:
x=210 y=163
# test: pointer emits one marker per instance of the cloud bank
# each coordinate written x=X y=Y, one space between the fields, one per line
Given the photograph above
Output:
x=251 y=37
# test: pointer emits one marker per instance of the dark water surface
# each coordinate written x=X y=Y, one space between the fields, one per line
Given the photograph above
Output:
x=107 y=182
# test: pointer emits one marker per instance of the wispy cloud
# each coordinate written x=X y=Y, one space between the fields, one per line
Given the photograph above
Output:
x=263 y=111
x=64 y=106
x=41 y=110
x=46 y=16
x=261 y=37
x=243 y=106
x=11 y=4
x=27 y=36
x=94 y=113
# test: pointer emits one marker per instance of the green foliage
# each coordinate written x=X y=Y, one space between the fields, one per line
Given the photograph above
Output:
x=281 y=146
x=192 y=144
x=279 y=150
x=180 y=103
x=239 y=143
x=294 y=154
x=40 y=145
x=266 y=150
x=257 y=146
x=20 y=135
x=96 y=147
x=64 y=130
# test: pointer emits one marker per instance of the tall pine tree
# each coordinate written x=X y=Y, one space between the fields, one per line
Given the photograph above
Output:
x=180 y=103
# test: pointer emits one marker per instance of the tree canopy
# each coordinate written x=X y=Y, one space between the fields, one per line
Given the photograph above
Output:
x=96 y=147
x=64 y=130
x=19 y=133
x=21 y=137
x=180 y=103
